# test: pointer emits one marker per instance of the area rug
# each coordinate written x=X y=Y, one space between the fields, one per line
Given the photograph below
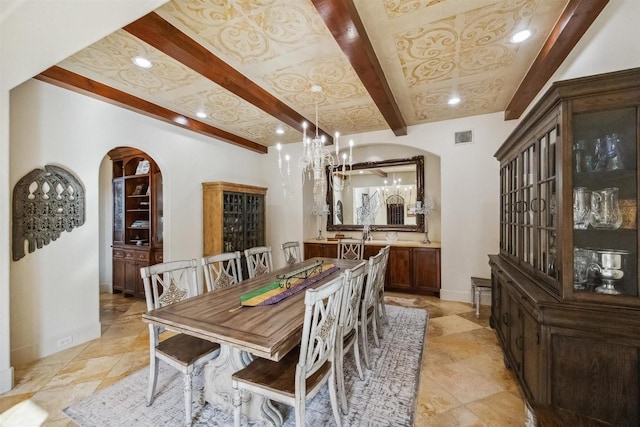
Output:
x=386 y=397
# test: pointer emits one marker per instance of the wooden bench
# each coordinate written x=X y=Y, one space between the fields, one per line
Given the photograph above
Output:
x=479 y=285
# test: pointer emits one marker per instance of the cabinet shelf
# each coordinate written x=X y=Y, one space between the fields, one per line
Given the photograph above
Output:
x=137 y=199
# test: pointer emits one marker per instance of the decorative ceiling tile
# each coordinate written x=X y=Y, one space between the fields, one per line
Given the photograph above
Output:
x=112 y=58
x=470 y=43
x=396 y=8
x=249 y=32
x=333 y=73
x=479 y=98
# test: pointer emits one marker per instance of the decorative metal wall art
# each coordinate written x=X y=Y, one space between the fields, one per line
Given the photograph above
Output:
x=45 y=203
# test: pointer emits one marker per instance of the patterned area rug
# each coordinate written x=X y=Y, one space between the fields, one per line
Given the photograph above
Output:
x=386 y=397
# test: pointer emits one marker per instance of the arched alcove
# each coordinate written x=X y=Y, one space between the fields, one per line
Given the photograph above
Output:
x=133 y=194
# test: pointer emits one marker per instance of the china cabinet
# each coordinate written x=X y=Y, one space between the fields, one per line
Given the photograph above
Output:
x=137 y=218
x=413 y=267
x=565 y=290
x=233 y=217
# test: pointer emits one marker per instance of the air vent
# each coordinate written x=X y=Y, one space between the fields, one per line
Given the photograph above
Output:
x=464 y=137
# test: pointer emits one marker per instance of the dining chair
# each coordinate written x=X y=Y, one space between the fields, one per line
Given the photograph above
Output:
x=291 y=251
x=222 y=270
x=347 y=335
x=165 y=284
x=369 y=304
x=381 y=309
x=302 y=372
x=350 y=249
x=258 y=261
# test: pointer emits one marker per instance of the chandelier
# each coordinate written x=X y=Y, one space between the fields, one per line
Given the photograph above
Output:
x=313 y=162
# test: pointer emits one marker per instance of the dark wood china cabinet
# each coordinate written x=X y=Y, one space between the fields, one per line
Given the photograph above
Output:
x=137 y=218
x=565 y=290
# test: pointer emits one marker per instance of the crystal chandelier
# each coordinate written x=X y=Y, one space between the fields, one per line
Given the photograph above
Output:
x=313 y=163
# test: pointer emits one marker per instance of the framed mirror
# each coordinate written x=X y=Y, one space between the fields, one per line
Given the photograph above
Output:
x=382 y=193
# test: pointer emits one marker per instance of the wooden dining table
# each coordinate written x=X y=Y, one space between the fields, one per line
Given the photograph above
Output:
x=243 y=333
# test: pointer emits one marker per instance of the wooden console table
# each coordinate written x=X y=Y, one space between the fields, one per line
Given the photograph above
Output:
x=414 y=267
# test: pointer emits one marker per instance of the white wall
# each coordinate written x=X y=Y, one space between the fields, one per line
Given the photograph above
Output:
x=469 y=192
x=54 y=290
x=34 y=35
x=610 y=44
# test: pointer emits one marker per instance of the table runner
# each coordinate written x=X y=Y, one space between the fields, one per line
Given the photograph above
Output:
x=274 y=293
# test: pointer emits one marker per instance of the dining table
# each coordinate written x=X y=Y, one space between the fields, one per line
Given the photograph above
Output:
x=244 y=332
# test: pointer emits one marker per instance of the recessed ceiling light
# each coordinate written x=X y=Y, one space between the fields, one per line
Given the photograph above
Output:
x=453 y=101
x=520 y=36
x=181 y=120
x=201 y=114
x=142 y=62
x=279 y=130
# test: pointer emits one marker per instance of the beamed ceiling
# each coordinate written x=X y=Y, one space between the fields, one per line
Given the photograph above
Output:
x=383 y=64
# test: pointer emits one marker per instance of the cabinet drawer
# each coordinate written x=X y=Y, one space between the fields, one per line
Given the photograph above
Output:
x=118 y=253
x=143 y=256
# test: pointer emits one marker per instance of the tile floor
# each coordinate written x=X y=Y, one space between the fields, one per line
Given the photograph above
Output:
x=463 y=380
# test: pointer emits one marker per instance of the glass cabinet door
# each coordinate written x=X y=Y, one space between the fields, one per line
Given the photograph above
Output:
x=528 y=197
x=605 y=194
x=509 y=200
x=545 y=206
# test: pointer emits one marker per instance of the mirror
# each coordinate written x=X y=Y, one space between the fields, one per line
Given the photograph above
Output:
x=382 y=193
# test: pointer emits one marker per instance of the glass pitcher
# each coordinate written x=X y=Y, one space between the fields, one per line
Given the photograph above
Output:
x=581 y=207
x=605 y=210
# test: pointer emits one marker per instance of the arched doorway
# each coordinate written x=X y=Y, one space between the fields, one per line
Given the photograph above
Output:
x=136 y=218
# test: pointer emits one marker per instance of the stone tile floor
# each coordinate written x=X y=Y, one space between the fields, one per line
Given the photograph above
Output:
x=463 y=381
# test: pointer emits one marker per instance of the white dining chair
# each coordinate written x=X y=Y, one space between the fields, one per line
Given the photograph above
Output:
x=347 y=335
x=350 y=249
x=222 y=270
x=368 y=306
x=302 y=372
x=381 y=309
x=258 y=261
x=291 y=252
x=165 y=284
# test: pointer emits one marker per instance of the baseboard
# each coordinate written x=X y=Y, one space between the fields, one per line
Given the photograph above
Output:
x=463 y=296
x=6 y=379
x=51 y=345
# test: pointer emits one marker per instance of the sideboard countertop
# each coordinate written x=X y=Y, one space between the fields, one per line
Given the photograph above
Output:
x=382 y=242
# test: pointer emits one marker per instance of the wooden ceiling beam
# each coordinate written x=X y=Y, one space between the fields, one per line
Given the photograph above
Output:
x=80 y=84
x=573 y=23
x=343 y=20
x=157 y=32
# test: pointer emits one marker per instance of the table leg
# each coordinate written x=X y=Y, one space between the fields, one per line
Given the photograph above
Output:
x=218 y=390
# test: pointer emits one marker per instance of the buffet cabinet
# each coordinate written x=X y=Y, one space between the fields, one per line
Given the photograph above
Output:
x=411 y=269
x=233 y=217
x=565 y=291
x=137 y=218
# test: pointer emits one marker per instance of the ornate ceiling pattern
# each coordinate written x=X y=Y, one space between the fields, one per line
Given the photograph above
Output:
x=427 y=51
